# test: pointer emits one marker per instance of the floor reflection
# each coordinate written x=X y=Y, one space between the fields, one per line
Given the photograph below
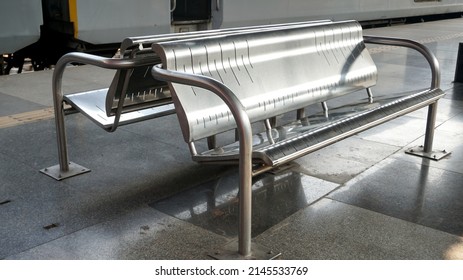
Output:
x=215 y=204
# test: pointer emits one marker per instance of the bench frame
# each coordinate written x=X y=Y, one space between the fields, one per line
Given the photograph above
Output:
x=129 y=48
x=246 y=248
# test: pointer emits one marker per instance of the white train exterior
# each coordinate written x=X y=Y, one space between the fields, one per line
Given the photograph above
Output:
x=20 y=22
x=109 y=21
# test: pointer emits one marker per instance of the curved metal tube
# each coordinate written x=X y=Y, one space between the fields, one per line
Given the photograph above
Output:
x=245 y=142
x=108 y=63
x=430 y=57
x=150 y=39
x=435 y=81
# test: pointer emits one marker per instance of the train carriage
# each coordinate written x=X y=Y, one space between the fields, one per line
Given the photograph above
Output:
x=43 y=30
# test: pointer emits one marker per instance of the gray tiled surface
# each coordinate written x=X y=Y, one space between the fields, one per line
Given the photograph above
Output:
x=416 y=193
x=334 y=230
x=10 y=105
x=354 y=154
x=359 y=196
x=141 y=234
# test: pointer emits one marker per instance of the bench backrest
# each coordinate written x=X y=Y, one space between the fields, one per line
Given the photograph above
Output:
x=271 y=71
x=138 y=88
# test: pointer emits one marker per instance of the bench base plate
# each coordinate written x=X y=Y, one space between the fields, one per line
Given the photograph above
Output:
x=433 y=155
x=56 y=173
x=230 y=252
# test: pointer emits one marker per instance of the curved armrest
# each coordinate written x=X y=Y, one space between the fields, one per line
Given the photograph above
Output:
x=100 y=61
x=245 y=141
x=75 y=57
x=430 y=57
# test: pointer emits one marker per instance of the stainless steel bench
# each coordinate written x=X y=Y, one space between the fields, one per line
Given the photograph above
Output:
x=133 y=95
x=227 y=82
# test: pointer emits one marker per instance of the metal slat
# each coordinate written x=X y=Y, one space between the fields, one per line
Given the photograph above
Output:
x=347 y=127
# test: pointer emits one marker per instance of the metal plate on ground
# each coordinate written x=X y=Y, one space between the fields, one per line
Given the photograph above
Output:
x=258 y=252
x=56 y=173
x=433 y=155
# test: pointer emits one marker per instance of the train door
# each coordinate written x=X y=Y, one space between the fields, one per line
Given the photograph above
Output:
x=191 y=15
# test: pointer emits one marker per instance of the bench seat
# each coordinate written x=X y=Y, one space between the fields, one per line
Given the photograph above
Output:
x=92 y=104
x=290 y=141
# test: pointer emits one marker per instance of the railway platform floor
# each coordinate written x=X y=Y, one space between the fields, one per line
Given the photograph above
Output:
x=362 y=198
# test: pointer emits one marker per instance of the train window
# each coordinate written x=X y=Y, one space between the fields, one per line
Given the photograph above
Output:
x=192 y=10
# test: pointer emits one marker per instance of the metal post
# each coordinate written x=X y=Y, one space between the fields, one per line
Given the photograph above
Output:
x=59 y=116
x=459 y=67
x=65 y=168
x=325 y=109
x=370 y=95
x=430 y=126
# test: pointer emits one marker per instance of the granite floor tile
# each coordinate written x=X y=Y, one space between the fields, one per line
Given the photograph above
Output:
x=332 y=230
x=344 y=160
x=416 y=193
x=140 y=234
x=214 y=205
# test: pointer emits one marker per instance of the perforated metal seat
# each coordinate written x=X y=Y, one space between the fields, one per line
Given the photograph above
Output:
x=271 y=72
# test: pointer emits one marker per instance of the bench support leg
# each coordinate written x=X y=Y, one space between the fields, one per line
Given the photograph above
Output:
x=426 y=150
x=370 y=95
x=325 y=109
x=212 y=142
x=64 y=169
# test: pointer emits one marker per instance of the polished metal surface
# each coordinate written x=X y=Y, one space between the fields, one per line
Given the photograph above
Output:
x=302 y=66
x=133 y=94
x=144 y=42
x=299 y=138
x=138 y=84
x=134 y=89
x=92 y=103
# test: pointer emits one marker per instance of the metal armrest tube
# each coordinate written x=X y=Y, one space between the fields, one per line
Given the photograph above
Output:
x=435 y=81
x=430 y=57
x=145 y=40
x=245 y=142
x=103 y=62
